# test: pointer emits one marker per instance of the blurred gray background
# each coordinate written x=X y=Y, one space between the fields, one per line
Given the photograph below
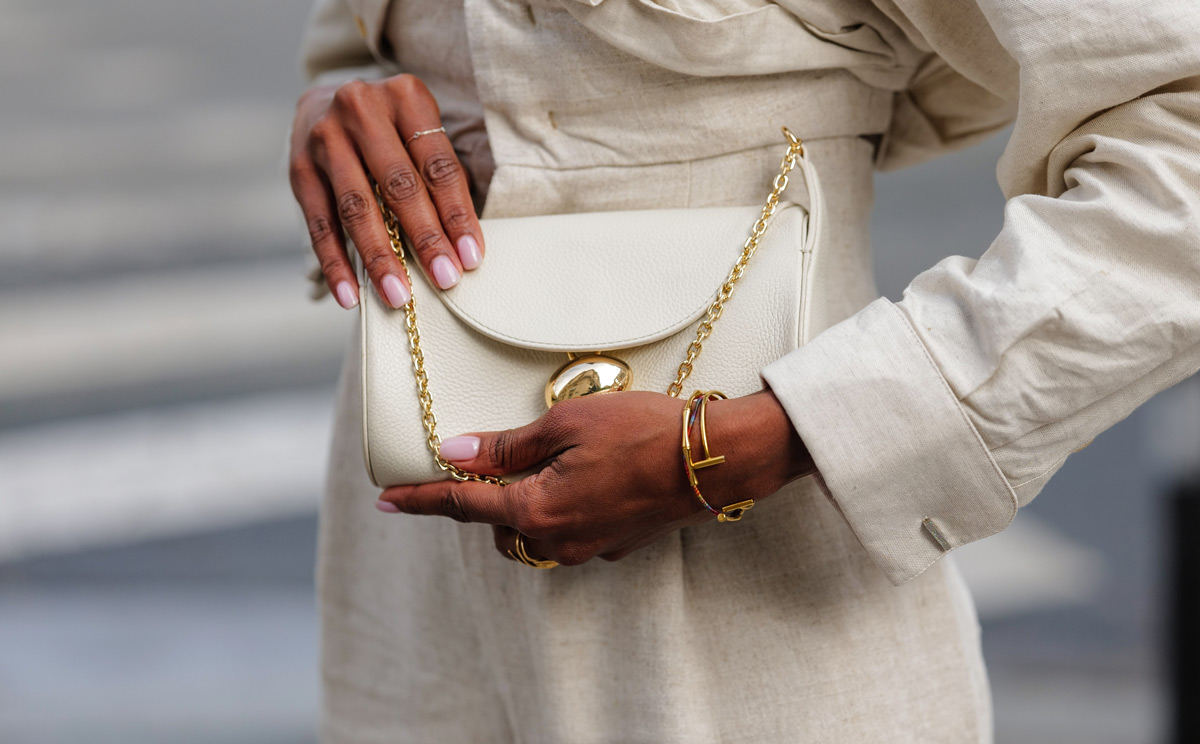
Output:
x=165 y=393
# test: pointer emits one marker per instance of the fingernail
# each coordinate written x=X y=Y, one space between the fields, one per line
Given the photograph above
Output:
x=387 y=506
x=468 y=252
x=444 y=272
x=346 y=296
x=394 y=290
x=460 y=449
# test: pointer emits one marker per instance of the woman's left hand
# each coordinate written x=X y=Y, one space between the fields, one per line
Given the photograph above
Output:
x=610 y=476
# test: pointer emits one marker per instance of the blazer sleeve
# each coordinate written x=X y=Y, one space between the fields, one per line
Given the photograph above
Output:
x=334 y=48
x=933 y=419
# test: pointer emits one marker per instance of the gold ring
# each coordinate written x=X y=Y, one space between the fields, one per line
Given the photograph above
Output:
x=522 y=556
x=422 y=133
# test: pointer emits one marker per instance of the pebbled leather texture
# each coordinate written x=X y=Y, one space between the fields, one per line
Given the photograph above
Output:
x=605 y=280
x=634 y=283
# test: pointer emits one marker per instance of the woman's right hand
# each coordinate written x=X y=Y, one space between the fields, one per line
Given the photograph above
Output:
x=343 y=134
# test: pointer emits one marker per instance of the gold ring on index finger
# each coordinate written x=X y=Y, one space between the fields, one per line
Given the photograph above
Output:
x=522 y=556
x=422 y=133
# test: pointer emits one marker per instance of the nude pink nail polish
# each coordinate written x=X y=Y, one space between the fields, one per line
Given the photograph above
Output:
x=387 y=507
x=394 y=290
x=346 y=296
x=445 y=273
x=468 y=252
x=460 y=449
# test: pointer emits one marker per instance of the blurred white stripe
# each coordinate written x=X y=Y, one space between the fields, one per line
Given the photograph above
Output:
x=51 y=230
x=1029 y=566
x=211 y=139
x=152 y=473
x=173 y=327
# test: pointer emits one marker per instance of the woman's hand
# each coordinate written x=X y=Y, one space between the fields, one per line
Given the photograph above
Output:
x=610 y=475
x=340 y=136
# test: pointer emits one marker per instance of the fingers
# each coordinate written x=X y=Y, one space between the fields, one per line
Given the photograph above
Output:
x=511 y=509
x=404 y=191
x=461 y=501
x=505 y=539
x=336 y=152
x=420 y=179
x=344 y=137
x=563 y=553
x=316 y=202
x=508 y=451
x=444 y=179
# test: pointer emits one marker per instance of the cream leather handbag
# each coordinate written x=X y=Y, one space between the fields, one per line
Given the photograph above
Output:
x=569 y=305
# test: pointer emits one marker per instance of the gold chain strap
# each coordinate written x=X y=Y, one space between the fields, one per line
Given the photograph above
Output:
x=418 y=361
x=795 y=151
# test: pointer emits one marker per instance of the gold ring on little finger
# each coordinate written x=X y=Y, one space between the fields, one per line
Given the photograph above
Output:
x=522 y=556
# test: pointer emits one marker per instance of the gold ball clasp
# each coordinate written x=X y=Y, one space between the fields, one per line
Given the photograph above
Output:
x=590 y=374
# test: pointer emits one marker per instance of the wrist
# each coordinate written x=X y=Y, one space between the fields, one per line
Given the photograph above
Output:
x=763 y=452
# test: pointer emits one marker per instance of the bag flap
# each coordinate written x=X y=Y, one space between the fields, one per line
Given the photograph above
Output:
x=608 y=280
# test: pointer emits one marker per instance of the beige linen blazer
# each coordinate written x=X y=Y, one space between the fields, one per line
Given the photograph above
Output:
x=933 y=419
x=948 y=409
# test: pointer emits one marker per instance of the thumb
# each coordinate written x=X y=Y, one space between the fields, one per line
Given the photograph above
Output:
x=501 y=452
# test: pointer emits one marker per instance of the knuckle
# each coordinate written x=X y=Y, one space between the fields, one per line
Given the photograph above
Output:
x=442 y=170
x=557 y=423
x=324 y=132
x=500 y=447
x=331 y=265
x=458 y=221
x=350 y=88
x=452 y=504
x=352 y=96
x=406 y=85
x=560 y=414
x=378 y=264
x=400 y=184
x=525 y=522
x=574 y=554
x=354 y=207
x=425 y=243
x=532 y=521
x=320 y=228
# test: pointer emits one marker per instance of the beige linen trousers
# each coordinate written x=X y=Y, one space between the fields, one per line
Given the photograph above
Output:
x=826 y=615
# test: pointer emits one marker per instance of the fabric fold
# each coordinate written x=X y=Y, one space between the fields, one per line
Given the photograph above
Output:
x=894 y=448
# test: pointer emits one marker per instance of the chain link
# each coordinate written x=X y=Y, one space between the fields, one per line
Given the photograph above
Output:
x=429 y=421
x=795 y=151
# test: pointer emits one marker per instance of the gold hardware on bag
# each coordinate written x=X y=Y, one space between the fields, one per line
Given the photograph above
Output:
x=590 y=374
x=595 y=373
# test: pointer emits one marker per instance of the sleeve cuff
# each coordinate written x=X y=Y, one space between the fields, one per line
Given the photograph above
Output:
x=893 y=446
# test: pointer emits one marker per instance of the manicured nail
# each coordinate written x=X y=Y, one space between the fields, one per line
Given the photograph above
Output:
x=387 y=506
x=444 y=272
x=468 y=252
x=346 y=296
x=460 y=449
x=394 y=290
